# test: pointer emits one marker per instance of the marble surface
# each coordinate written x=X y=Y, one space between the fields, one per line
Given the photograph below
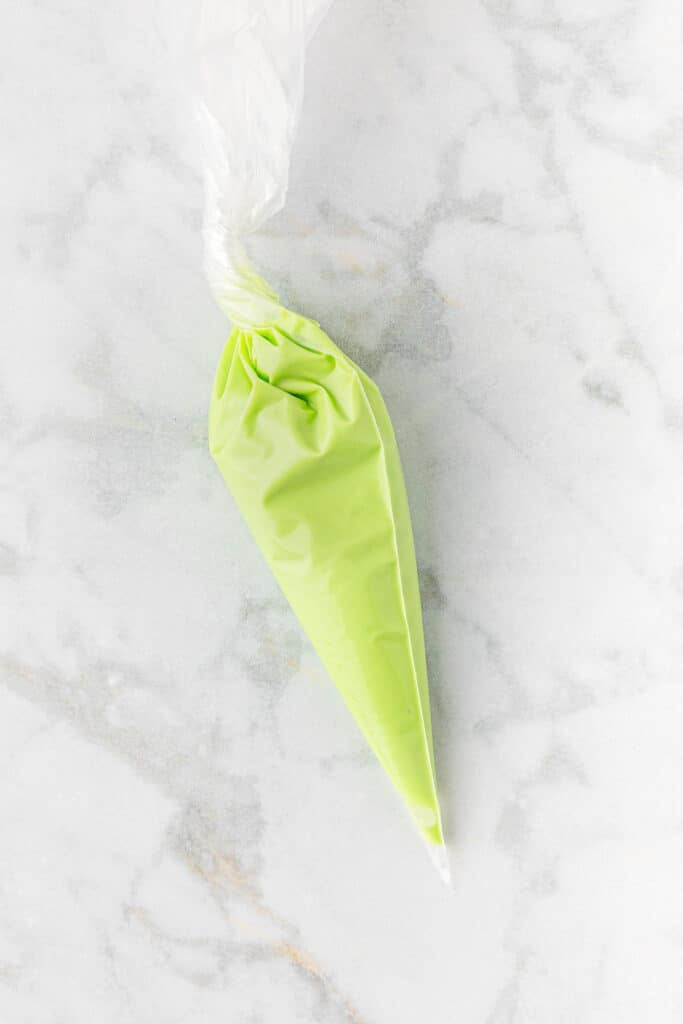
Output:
x=486 y=211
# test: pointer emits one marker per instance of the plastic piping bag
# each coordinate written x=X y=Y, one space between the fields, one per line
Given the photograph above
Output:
x=300 y=434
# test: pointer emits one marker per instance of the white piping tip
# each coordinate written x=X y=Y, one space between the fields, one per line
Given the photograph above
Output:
x=439 y=856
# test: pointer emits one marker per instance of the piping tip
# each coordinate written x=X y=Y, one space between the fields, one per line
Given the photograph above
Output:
x=439 y=858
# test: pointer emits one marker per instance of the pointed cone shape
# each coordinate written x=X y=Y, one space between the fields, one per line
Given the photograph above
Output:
x=304 y=441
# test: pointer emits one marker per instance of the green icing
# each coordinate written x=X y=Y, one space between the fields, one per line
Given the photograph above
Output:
x=304 y=441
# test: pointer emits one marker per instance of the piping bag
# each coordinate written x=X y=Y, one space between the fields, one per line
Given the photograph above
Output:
x=300 y=434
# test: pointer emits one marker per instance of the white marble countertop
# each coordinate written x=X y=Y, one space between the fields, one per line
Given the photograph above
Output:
x=486 y=211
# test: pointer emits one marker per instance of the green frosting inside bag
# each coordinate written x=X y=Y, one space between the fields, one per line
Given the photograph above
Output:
x=304 y=441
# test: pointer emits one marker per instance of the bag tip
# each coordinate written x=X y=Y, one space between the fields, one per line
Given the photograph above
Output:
x=439 y=858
